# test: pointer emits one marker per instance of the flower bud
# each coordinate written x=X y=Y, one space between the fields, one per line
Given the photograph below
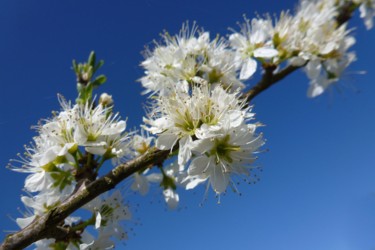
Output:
x=105 y=99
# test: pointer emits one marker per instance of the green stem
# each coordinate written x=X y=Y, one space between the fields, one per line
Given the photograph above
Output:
x=82 y=225
x=89 y=159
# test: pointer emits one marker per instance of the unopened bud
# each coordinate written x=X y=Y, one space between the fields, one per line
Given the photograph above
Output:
x=85 y=76
x=105 y=99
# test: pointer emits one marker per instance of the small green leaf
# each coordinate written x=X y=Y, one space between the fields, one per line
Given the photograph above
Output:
x=91 y=60
x=99 y=81
x=75 y=66
x=99 y=65
x=80 y=87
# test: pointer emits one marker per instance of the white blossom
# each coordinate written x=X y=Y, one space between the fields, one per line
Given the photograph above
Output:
x=252 y=42
x=227 y=152
x=109 y=212
x=140 y=183
x=174 y=64
x=178 y=117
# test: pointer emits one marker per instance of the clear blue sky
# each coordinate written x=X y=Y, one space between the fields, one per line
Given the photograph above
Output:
x=317 y=191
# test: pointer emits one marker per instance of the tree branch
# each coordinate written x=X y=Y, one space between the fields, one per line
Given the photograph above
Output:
x=45 y=226
x=268 y=80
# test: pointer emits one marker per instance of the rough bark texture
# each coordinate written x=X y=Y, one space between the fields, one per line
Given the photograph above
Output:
x=46 y=226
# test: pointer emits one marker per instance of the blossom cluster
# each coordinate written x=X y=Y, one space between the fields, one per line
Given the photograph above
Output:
x=70 y=148
x=186 y=58
x=313 y=37
x=197 y=110
x=195 y=84
x=212 y=129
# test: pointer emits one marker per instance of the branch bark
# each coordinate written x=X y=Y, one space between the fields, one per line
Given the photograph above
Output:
x=46 y=225
x=269 y=79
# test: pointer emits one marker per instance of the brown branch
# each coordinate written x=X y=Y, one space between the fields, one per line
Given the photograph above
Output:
x=346 y=12
x=45 y=226
x=269 y=79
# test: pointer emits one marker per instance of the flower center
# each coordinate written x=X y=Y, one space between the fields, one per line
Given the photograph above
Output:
x=222 y=149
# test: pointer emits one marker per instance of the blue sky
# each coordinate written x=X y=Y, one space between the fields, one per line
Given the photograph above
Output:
x=317 y=190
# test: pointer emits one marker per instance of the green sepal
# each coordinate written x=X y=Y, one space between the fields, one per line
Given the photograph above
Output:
x=99 y=65
x=62 y=179
x=92 y=59
x=75 y=66
x=49 y=167
x=60 y=245
x=73 y=149
x=99 y=81
x=168 y=182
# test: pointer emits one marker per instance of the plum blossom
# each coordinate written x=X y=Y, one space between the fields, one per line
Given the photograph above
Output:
x=313 y=38
x=109 y=212
x=253 y=41
x=176 y=63
x=223 y=153
x=177 y=118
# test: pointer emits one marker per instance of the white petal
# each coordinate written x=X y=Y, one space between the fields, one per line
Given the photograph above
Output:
x=24 y=222
x=266 y=53
x=193 y=182
x=313 y=69
x=96 y=150
x=208 y=131
x=315 y=90
x=38 y=181
x=248 y=69
x=348 y=42
x=115 y=128
x=154 y=177
x=329 y=47
x=202 y=146
x=65 y=149
x=219 y=180
x=140 y=184
x=171 y=197
x=236 y=118
x=184 y=153
x=199 y=166
x=297 y=61
x=80 y=135
x=166 y=141
x=48 y=157
x=98 y=220
x=237 y=40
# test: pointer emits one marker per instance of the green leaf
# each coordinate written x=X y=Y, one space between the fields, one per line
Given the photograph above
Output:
x=99 y=81
x=99 y=65
x=80 y=87
x=91 y=60
x=60 y=245
x=75 y=67
x=168 y=182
